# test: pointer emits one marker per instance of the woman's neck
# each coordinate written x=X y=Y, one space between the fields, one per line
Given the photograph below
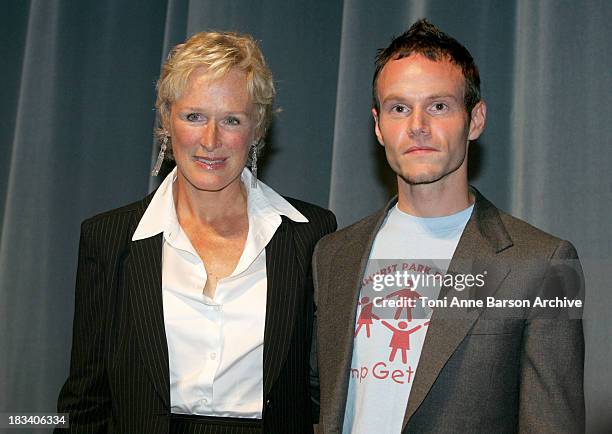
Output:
x=209 y=207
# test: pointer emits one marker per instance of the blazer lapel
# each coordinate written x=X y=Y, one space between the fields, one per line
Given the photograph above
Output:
x=143 y=271
x=483 y=237
x=347 y=279
x=284 y=284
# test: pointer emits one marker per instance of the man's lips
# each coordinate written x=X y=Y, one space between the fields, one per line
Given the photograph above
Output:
x=420 y=150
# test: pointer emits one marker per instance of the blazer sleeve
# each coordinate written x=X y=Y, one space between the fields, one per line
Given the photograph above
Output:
x=85 y=396
x=315 y=391
x=552 y=360
x=315 y=387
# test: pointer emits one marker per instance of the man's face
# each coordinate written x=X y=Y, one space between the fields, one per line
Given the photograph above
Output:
x=423 y=123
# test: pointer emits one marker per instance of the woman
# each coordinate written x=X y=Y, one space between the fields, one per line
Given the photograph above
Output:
x=193 y=308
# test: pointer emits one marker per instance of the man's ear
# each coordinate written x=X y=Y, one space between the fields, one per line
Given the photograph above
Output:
x=377 y=127
x=478 y=118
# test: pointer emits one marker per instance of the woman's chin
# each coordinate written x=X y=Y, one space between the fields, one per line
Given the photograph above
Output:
x=209 y=182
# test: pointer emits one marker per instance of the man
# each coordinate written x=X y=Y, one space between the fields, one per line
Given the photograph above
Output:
x=439 y=368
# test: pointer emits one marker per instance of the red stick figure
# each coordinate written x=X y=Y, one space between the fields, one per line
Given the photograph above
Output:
x=400 y=339
x=365 y=316
x=404 y=293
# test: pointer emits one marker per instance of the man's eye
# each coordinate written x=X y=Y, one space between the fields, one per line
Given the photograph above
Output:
x=439 y=106
x=194 y=117
x=399 y=109
x=232 y=121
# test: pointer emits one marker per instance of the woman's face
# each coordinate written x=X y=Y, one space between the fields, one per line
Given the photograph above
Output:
x=212 y=126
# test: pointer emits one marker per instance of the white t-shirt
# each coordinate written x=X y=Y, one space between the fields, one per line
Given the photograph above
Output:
x=389 y=339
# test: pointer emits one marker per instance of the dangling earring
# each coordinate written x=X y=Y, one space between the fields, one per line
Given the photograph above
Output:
x=254 y=165
x=160 y=156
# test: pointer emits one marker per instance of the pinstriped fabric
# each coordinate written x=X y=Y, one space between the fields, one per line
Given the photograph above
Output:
x=86 y=396
x=119 y=380
x=282 y=274
x=297 y=412
x=186 y=424
x=212 y=429
x=144 y=268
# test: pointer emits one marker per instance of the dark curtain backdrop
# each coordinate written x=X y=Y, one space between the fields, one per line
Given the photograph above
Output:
x=77 y=115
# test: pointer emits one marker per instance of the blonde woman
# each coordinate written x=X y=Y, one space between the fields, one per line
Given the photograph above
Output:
x=194 y=305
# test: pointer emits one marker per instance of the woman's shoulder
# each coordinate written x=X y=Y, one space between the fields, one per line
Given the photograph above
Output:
x=316 y=215
x=121 y=217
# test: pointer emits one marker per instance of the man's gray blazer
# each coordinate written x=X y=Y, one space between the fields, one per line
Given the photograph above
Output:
x=480 y=370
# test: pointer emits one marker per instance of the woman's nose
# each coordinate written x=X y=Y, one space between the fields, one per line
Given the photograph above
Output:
x=210 y=137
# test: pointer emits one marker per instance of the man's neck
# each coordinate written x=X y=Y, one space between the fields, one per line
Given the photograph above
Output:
x=438 y=199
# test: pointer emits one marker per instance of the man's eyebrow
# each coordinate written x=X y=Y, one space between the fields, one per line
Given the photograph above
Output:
x=393 y=98
x=399 y=98
x=442 y=96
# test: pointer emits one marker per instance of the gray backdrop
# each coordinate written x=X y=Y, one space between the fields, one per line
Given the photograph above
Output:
x=76 y=137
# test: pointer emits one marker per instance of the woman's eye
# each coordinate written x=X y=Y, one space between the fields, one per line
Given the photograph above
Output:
x=232 y=121
x=193 y=117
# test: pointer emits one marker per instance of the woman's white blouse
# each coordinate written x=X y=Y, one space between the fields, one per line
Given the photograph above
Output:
x=215 y=346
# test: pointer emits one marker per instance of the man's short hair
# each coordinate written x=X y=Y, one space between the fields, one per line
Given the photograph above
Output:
x=427 y=40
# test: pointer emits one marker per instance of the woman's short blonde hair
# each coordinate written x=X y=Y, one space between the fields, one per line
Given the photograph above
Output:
x=218 y=52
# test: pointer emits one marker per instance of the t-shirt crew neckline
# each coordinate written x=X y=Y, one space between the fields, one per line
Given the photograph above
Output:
x=433 y=225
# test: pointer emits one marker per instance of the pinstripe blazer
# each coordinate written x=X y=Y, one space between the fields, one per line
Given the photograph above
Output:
x=119 y=377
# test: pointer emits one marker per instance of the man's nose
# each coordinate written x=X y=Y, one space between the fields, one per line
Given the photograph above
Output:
x=418 y=123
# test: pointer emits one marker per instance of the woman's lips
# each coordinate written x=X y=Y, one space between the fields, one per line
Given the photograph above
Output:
x=209 y=163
